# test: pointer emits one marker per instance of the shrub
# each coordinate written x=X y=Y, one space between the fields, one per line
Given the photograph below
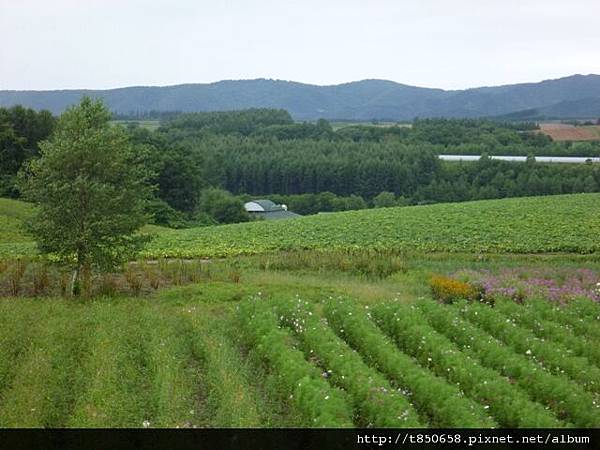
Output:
x=448 y=290
x=221 y=206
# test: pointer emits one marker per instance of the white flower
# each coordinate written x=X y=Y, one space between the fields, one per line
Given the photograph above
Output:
x=528 y=352
x=146 y=423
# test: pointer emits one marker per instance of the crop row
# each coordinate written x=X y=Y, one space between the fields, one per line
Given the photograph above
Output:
x=509 y=404
x=553 y=356
x=566 y=398
x=320 y=404
x=445 y=403
x=380 y=404
x=582 y=316
x=551 y=331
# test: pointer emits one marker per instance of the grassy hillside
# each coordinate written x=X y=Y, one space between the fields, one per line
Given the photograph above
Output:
x=13 y=238
x=566 y=223
x=12 y=214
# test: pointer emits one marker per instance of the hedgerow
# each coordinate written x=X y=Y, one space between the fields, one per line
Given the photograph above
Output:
x=551 y=331
x=321 y=404
x=507 y=403
x=380 y=405
x=552 y=356
x=445 y=403
x=566 y=398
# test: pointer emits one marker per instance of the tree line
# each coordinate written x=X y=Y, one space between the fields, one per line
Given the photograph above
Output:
x=203 y=166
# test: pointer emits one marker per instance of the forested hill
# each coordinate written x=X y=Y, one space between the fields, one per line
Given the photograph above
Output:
x=361 y=100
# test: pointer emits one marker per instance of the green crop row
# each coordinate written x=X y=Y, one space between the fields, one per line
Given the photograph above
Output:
x=584 y=325
x=509 y=404
x=444 y=403
x=321 y=404
x=566 y=398
x=379 y=403
x=552 y=356
x=551 y=331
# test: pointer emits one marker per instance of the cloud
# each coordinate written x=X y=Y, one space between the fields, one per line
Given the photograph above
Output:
x=102 y=44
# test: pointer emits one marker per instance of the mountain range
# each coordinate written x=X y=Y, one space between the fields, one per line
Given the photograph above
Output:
x=576 y=96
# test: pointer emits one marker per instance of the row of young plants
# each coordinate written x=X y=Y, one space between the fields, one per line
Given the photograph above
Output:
x=567 y=399
x=379 y=404
x=552 y=356
x=507 y=403
x=545 y=329
x=445 y=403
x=316 y=400
x=581 y=316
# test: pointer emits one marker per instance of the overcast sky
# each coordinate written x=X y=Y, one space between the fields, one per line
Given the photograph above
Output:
x=452 y=44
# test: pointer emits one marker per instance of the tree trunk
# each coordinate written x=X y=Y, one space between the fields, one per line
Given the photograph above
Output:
x=74 y=281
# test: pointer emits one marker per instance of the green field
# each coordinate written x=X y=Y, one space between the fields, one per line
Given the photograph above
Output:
x=566 y=223
x=255 y=354
x=562 y=223
x=322 y=321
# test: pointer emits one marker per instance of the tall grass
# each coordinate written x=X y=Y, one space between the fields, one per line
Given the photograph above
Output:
x=46 y=381
x=117 y=369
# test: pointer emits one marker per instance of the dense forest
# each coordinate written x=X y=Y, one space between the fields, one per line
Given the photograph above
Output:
x=21 y=129
x=207 y=164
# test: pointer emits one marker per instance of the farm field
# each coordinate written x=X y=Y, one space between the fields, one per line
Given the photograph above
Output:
x=285 y=349
x=566 y=132
x=522 y=225
x=296 y=324
x=565 y=223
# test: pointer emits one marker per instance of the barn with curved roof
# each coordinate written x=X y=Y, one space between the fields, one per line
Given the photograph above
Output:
x=268 y=210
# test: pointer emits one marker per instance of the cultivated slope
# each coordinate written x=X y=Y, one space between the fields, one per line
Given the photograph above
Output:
x=561 y=223
x=565 y=223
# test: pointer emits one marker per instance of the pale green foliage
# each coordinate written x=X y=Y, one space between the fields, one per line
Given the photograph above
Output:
x=88 y=188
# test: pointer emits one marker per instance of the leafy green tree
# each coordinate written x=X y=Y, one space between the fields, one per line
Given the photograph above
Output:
x=90 y=192
x=384 y=200
x=221 y=206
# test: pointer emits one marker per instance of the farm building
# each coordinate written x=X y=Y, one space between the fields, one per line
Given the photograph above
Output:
x=268 y=210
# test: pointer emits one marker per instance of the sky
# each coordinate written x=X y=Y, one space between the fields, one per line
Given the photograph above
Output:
x=449 y=44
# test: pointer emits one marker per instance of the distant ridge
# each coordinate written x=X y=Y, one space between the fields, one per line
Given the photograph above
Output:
x=576 y=96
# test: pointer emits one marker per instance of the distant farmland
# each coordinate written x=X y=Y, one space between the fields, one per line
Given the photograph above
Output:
x=566 y=132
